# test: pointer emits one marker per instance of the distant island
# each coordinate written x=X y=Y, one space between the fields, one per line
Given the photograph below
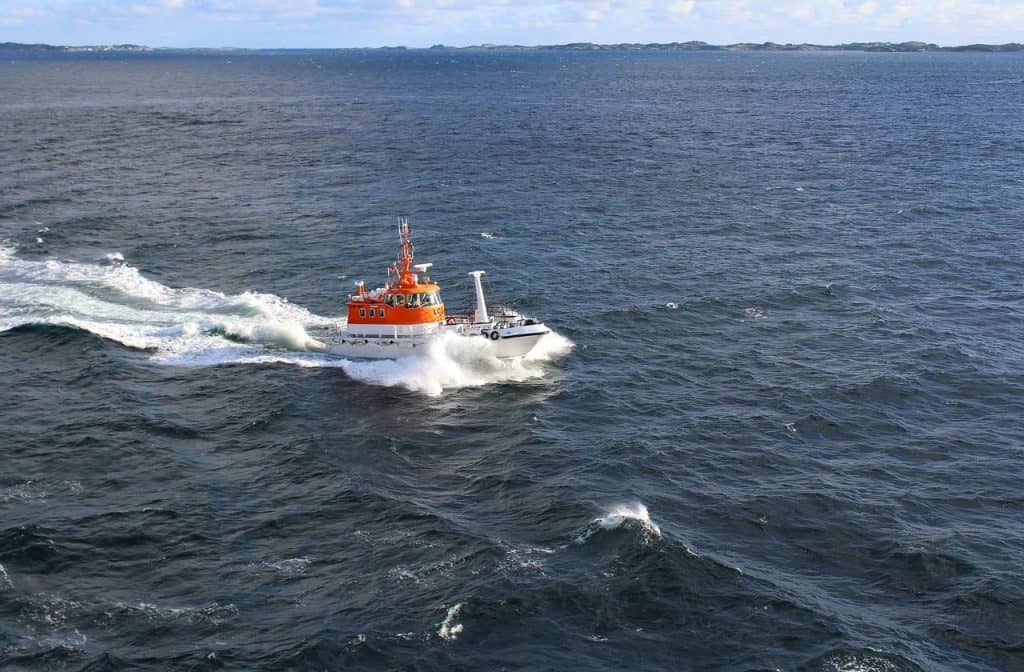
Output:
x=696 y=45
x=693 y=45
x=17 y=46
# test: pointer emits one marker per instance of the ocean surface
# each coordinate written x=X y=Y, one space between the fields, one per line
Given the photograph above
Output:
x=778 y=426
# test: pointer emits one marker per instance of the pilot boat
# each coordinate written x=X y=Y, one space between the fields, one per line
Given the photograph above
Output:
x=407 y=315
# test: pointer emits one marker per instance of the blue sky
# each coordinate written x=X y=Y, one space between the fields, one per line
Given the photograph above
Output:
x=418 y=23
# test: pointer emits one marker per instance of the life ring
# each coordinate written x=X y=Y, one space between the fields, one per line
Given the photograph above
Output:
x=495 y=335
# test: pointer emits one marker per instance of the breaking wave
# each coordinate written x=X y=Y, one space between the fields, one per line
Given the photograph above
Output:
x=633 y=515
x=202 y=327
x=449 y=628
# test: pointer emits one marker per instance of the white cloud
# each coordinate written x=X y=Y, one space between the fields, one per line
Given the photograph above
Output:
x=423 y=22
x=867 y=8
x=685 y=7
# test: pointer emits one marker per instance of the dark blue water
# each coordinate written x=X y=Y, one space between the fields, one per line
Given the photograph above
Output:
x=787 y=434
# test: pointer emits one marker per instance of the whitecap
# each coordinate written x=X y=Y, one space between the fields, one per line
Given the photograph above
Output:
x=27 y=492
x=211 y=614
x=35 y=492
x=621 y=515
x=525 y=558
x=449 y=628
x=51 y=610
x=755 y=312
x=672 y=305
x=288 y=566
x=113 y=257
x=66 y=642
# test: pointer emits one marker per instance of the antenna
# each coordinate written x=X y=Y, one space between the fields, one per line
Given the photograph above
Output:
x=406 y=277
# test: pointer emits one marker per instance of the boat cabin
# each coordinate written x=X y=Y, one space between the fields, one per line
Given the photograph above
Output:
x=405 y=300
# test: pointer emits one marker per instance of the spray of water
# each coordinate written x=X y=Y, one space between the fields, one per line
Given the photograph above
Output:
x=202 y=327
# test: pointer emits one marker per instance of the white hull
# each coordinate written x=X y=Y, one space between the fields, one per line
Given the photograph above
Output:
x=511 y=342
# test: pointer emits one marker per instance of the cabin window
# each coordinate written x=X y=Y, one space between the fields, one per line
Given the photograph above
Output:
x=381 y=312
x=427 y=299
x=373 y=312
x=390 y=299
x=400 y=299
x=362 y=312
x=414 y=301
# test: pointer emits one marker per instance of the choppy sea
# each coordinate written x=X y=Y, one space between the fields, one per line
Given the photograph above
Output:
x=778 y=425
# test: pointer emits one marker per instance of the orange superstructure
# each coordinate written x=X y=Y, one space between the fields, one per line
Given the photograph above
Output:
x=404 y=301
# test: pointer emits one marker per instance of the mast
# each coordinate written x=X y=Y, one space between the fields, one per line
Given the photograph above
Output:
x=481 y=305
x=406 y=274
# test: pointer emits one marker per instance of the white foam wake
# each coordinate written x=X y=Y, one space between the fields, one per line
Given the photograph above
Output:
x=455 y=362
x=201 y=327
x=117 y=302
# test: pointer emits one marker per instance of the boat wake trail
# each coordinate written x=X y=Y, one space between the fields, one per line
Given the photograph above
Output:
x=115 y=301
x=202 y=327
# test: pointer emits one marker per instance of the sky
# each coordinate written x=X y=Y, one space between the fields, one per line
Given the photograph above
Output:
x=422 y=23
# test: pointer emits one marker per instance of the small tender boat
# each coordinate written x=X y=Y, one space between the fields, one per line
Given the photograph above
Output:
x=406 y=315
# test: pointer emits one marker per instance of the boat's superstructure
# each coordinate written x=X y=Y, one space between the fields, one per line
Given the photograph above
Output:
x=407 y=315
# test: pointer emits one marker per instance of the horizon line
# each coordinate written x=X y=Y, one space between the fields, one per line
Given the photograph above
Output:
x=692 y=45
